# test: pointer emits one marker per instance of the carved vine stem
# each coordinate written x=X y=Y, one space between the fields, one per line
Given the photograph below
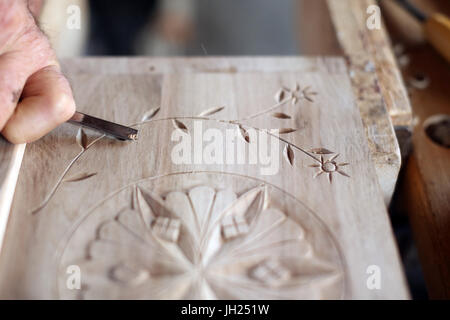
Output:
x=294 y=96
x=233 y=122
x=63 y=175
x=253 y=116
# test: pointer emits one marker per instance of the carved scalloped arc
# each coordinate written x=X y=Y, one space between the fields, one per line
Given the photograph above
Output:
x=266 y=254
x=128 y=275
x=150 y=114
x=211 y=111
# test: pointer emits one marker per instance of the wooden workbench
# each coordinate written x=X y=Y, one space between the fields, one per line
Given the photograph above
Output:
x=377 y=82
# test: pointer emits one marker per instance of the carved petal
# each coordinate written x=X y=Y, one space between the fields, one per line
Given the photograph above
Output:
x=212 y=239
x=202 y=199
x=235 y=221
x=205 y=244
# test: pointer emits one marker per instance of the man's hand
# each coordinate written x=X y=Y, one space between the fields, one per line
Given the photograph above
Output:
x=34 y=96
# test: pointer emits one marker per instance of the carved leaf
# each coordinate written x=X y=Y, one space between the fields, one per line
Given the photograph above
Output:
x=244 y=134
x=287 y=130
x=321 y=151
x=211 y=111
x=289 y=154
x=150 y=114
x=80 y=177
x=308 y=98
x=180 y=125
x=82 y=139
x=281 y=115
x=279 y=96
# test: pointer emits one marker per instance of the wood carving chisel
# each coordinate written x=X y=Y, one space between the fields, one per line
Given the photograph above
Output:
x=110 y=129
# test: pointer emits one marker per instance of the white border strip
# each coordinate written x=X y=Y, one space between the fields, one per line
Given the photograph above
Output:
x=8 y=187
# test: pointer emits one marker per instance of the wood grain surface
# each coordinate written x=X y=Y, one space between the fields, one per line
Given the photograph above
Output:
x=376 y=83
x=373 y=45
x=383 y=144
x=139 y=225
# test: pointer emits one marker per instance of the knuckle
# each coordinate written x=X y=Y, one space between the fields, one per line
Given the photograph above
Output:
x=58 y=102
x=61 y=106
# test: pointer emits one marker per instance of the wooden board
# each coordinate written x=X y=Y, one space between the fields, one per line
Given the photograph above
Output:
x=372 y=45
x=376 y=80
x=383 y=146
x=139 y=225
x=377 y=83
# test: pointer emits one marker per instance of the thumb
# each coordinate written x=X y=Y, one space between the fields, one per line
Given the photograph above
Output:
x=46 y=102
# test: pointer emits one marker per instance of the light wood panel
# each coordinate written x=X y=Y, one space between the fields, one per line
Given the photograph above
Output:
x=377 y=84
x=383 y=144
x=373 y=46
x=139 y=225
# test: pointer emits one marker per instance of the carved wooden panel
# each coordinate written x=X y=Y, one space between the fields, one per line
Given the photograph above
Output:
x=234 y=238
x=301 y=219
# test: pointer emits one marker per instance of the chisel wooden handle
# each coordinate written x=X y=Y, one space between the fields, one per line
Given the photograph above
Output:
x=437 y=30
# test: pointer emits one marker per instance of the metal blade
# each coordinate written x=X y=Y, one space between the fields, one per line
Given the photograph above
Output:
x=111 y=129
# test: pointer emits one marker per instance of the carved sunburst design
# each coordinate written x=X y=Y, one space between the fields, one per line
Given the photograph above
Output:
x=207 y=243
x=295 y=94
x=329 y=167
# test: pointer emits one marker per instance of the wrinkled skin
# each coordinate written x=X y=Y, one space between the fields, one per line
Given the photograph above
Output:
x=34 y=96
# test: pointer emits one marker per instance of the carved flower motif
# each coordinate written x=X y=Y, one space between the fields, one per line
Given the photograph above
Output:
x=329 y=167
x=295 y=94
x=205 y=244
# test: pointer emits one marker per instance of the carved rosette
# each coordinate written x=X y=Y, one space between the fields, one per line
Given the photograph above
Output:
x=209 y=243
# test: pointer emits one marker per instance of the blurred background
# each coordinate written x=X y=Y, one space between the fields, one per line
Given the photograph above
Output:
x=212 y=28
x=172 y=27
